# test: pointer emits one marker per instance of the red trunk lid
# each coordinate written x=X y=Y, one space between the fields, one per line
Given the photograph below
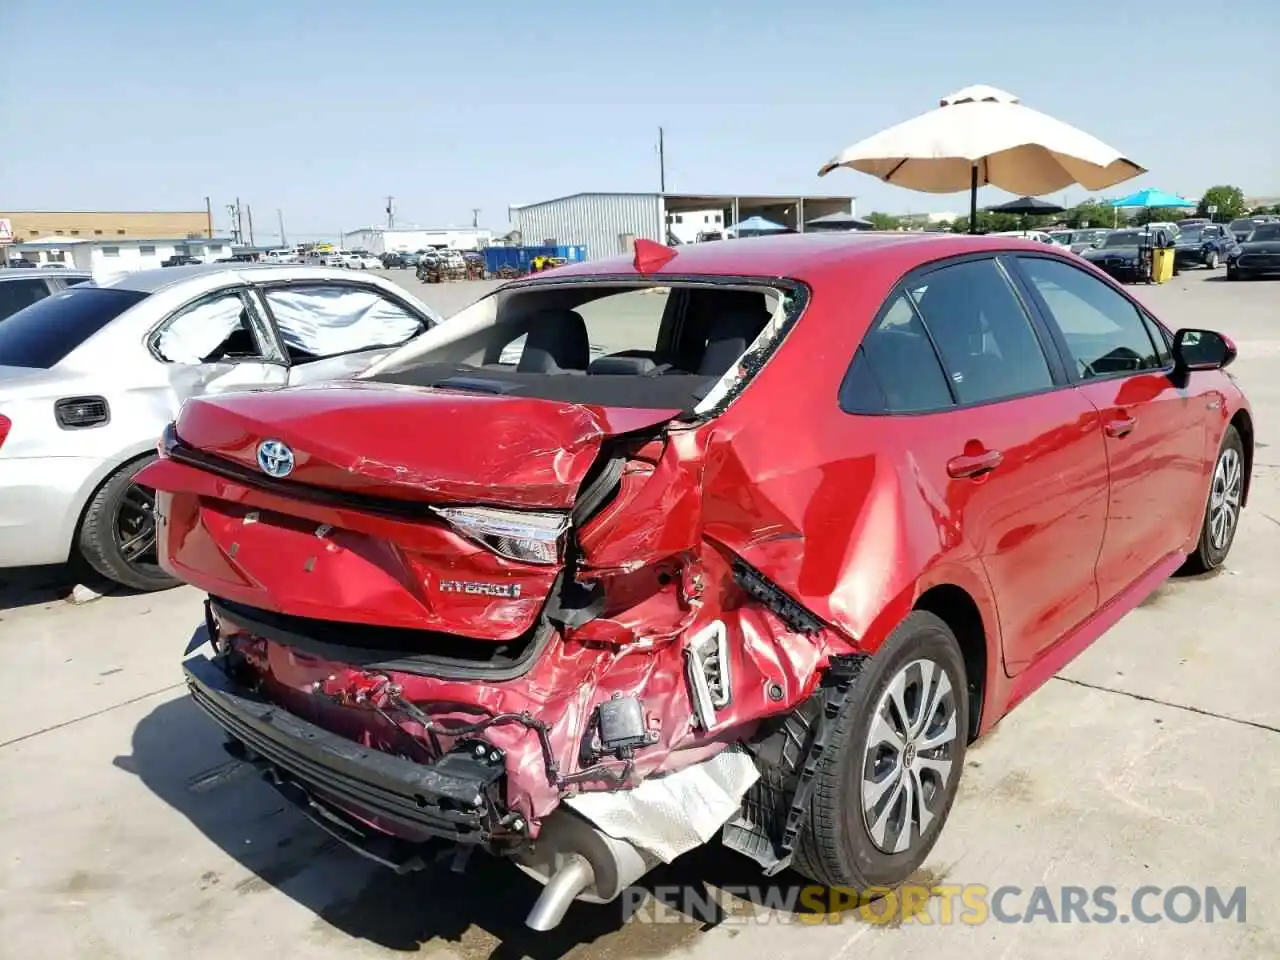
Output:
x=368 y=555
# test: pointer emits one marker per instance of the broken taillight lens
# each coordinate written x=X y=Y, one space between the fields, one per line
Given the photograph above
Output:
x=5 y=425
x=524 y=535
x=168 y=440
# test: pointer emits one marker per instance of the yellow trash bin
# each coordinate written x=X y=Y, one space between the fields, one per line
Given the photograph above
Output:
x=1161 y=265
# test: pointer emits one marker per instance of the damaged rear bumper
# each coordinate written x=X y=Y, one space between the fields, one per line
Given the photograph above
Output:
x=345 y=786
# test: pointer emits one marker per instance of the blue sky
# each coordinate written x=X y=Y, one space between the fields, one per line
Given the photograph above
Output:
x=323 y=109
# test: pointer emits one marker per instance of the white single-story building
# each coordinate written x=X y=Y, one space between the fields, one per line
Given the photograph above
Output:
x=119 y=255
x=378 y=240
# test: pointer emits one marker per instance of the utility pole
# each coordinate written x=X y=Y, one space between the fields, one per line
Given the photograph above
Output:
x=208 y=218
x=475 y=218
x=239 y=223
x=391 y=216
x=233 y=211
x=662 y=164
x=280 y=217
x=249 y=210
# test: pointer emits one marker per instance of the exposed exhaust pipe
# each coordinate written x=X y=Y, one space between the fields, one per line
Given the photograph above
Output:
x=577 y=861
x=561 y=890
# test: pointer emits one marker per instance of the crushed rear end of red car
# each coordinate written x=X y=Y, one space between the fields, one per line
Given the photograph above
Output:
x=453 y=619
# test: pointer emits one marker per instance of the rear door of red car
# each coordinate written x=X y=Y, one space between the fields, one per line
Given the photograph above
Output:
x=1155 y=430
x=1009 y=458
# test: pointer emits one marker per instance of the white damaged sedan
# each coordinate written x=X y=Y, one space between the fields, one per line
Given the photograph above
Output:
x=90 y=376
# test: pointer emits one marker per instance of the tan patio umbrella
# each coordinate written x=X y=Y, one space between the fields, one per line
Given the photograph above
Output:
x=979 y=136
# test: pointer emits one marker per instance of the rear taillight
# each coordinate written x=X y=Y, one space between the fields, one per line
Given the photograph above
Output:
x=168 y=440
x=5 y=424
x=74 y=413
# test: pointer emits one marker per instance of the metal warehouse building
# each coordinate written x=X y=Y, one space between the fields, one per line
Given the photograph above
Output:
x=609 y=223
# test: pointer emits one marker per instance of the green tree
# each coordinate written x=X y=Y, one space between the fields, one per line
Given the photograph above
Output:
x=1093 y=213
x=1229 y=201
x=1157 y=215
x=884 y=221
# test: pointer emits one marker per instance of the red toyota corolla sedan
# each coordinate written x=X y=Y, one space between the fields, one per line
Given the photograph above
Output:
x=748 y=540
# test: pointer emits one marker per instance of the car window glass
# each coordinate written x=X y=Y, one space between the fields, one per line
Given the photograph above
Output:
x=72 y=281
x=1103 y=330
x=212 y=330
x=325 y=321
x=1162 y=340
x=988 y=345
x=626 y=321
x=897 y=355
x=16 y=294
x=42 y=334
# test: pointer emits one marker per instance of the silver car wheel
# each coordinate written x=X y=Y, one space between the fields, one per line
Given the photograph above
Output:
x=1224 y=498
x=908 y=758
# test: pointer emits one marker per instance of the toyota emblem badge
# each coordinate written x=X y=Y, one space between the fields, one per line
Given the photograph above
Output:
x=275 y=458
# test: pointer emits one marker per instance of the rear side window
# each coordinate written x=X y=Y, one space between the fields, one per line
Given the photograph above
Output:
x=895 y=369
x=45 y=332
x=1105 y=333
x=988 y=345
x=16 y=294
x=318 y=321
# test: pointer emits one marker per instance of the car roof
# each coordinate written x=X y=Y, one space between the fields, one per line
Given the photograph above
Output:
x=797 y=255
x=150 y=281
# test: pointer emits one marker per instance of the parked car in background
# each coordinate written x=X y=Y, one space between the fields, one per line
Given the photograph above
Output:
x=1203 y=244
x=640 y=562
x=1039 y=236
x=1119 y=254
x=20 y=290
x=1193 y=222
x=180 y=260
x=1244 y=226
x=325 y=258
x=361 y=260
x=280 y=256
x=21 y=263
x=1060 y=238
x=90 y=375
x=1258 y=254
x=1082 y=240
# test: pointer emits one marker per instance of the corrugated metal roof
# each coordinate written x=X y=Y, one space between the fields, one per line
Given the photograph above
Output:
x=714 y=197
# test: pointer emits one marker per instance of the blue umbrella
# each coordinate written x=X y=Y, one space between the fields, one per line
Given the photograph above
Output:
x=757 y=225
x=1152 y=197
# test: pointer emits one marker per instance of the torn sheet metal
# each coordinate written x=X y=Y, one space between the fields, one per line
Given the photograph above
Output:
x=673 y=814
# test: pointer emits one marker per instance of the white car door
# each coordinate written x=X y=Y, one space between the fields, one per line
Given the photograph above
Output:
x=218 y=344
x=331 y=330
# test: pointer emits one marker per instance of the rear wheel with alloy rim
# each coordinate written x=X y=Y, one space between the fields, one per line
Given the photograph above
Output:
x=118 y=532
x=1211 y=260
x=886 y=781
x=1222 y=512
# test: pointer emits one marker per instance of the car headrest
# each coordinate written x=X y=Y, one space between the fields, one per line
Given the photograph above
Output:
x=557 y=341
x=729 y=336
x=622 y=366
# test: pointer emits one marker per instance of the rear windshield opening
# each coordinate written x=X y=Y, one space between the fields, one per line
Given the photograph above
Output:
x=678 y=346
x=42 y=334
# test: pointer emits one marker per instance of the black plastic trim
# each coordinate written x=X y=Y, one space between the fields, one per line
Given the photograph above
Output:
x=388 y=648
x=421 y=798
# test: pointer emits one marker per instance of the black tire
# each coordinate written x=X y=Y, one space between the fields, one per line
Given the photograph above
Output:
x=835 y=847
x=1211 y=260
x=1233 y=272
x=99 y=540
x=1211 y=551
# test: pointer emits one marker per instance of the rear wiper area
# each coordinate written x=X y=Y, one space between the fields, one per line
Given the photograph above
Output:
x=475 y=384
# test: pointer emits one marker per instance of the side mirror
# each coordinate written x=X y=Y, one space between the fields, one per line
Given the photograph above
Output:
x=1201 y=350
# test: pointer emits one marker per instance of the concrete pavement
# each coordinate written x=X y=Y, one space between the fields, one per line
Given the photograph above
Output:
x=1154 y=758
